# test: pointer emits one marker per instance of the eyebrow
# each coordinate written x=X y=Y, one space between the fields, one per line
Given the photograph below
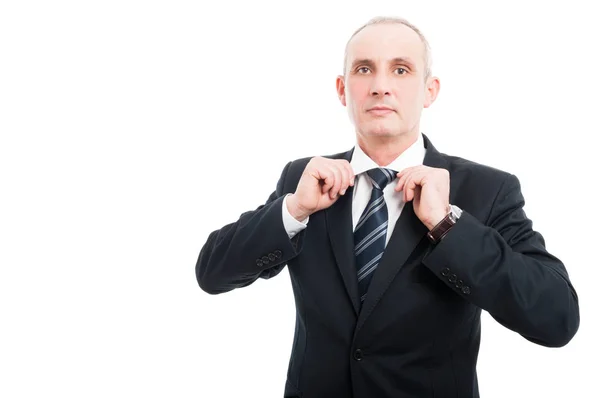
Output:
x=397 y=60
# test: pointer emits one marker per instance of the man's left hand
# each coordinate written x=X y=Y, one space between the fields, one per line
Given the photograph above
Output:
x=429 y=189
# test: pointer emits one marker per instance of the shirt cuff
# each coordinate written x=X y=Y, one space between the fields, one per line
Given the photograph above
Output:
x=291 y=225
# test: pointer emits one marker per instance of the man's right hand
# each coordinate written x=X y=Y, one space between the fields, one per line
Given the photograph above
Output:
x=321 y=184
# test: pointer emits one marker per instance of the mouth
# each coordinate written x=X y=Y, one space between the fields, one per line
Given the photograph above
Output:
x=380 y=110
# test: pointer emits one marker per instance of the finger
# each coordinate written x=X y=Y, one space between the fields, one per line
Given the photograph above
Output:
x=345 y=178
x=404 y=175
x=398 y=186
x=327 y=176
x=410 y=192
x=339 y=166
x=418 y=179
x=406 y=189
x=336 y=183
x=341 y=175
x=349 y=175
x=406 y=170
x=417 y=175
x=409 y=188
x=400 y=183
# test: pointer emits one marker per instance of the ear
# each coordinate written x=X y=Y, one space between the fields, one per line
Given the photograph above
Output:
x=432 y=88
x=340 y=87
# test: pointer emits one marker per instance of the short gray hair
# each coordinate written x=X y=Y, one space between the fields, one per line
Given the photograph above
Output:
x=395 y=20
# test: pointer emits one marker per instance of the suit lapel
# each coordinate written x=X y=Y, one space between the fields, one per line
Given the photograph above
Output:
x=339 y=227
x=407 y=234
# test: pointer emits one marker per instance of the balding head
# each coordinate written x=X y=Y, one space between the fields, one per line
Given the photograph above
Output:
x=427 y=59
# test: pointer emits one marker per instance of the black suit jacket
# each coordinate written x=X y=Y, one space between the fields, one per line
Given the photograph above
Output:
x=418 y=332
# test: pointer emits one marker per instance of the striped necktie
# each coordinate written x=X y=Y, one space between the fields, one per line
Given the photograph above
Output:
x=371 y=230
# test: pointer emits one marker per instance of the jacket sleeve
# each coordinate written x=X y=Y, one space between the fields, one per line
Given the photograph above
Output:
x=503 y=267
x=255 y=246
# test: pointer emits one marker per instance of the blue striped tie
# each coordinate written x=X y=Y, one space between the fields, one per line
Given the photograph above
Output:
x=371 y=230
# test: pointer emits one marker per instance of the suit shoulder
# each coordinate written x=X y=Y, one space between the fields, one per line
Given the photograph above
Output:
x=471 y=170
x=475 y=187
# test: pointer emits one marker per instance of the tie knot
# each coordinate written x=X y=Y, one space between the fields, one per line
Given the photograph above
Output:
x=381 y=177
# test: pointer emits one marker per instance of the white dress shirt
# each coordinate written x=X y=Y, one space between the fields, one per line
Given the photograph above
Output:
x=360 y=163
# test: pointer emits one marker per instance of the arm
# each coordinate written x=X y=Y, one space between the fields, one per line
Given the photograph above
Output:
x=257 y=245
x=506 y=270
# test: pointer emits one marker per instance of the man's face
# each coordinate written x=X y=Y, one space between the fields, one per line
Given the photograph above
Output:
x=386 y=69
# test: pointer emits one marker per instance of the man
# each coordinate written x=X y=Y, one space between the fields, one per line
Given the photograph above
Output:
x=393 y=248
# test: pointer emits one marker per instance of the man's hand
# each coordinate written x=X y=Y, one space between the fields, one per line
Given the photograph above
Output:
x=429 y=188
x=322 y=181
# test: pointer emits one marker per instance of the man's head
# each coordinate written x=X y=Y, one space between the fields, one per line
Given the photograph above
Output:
x=387 y=65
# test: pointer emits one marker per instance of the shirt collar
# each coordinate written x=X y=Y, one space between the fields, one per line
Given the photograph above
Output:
x=412 y=156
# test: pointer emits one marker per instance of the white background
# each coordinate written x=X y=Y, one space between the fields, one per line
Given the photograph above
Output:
x=131 y=130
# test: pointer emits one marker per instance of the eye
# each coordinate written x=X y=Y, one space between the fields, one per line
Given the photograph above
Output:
x=362 y=68
x=403 y=71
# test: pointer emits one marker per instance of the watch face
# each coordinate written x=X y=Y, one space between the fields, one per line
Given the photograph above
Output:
x=455 y=212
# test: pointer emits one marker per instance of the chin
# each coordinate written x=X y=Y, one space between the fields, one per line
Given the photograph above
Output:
x=381 y=129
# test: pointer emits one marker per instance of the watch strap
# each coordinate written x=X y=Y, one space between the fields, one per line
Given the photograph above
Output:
x=443 y=227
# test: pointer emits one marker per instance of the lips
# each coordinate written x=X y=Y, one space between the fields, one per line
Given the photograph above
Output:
x=380 y=108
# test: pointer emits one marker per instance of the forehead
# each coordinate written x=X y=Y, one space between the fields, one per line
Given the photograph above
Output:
x=386 y=41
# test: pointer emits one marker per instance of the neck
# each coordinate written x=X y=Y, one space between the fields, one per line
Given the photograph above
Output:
x=383 y=150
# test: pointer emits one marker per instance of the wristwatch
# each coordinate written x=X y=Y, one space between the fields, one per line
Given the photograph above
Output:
x=442 y=228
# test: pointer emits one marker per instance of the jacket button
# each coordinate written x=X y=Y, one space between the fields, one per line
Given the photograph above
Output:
x=459 y=283
x=466 y=290
x=445 y=271
x=358 y=355
x=265 y=259
x=272 y=257
x=259 y=262
x=452 y=278
x=277 y=253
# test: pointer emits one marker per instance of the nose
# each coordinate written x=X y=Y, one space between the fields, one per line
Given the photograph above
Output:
x=380 y=86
